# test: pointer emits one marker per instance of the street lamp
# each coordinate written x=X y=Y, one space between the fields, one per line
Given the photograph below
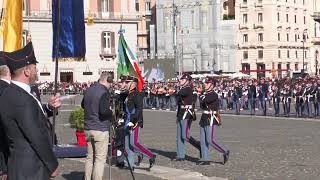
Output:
x=317 y=53
x=304 y=38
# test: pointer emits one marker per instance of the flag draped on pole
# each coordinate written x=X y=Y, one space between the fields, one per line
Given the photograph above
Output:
x=128 y=62
x=12 y=30
x=72 y=42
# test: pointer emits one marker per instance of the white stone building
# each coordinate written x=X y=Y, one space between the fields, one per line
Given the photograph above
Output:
x=205 y=34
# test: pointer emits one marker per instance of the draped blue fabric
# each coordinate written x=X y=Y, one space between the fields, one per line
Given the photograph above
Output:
x=72 y=41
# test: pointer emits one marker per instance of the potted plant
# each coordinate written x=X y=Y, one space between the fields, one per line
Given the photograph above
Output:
x=76 y=120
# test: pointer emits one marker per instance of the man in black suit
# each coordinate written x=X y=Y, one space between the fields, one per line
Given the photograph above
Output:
x=4 y=150
x=24 y=120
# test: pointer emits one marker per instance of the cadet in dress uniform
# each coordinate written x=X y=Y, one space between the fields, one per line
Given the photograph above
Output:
x=210 y=119
x=134 y=123
x=309 y=99
x=24 y=120
x=5 y=79
x=185 y=115
x=286 y=99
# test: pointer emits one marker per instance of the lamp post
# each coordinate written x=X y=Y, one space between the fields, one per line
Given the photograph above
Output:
x=317 y=53
x=304 y=38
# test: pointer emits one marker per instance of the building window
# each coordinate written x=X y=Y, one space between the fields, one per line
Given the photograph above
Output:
x=148 y=6
x=104 y=6
x=245 y=38
x=260 y=17
x=245 y=18
x=137 y=5
x=295 y=38
x=305 y=54
x=279 y=54
x=278 y=17
x=245 y=54
x=288 y=37
x=296 y=67
x=288 y=54
x=295 y=18
x=296 y=54
x=287 y=17
x=279 y=37
x=260 y=37
x=107 y=42
x=204 y=20
x=260 y=54
x=25 y=34
x=244 y=1
x=288 y=66
x=304 y=20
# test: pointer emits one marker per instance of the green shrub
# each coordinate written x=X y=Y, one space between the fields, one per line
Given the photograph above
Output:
x=76 y=119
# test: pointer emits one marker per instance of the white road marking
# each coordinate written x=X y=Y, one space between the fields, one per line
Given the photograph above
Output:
x=166 y=172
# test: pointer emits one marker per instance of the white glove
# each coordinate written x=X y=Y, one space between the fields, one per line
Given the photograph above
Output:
x=120 y=121
x=130 y=124
x=117 y=92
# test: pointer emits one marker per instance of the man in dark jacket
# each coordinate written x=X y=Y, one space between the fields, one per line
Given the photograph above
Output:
x=5 y=78
x=97 y=118
x=24 y=121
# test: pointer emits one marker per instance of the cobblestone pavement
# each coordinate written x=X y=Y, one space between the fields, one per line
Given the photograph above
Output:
x=261 y=147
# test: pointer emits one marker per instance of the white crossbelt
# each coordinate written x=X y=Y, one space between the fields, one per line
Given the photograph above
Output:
x=212 y=116
x=187 y=110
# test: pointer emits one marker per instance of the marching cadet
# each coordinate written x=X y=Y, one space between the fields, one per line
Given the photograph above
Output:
x=308 y=99
x=252 y=94
x=134 y=123
x=286 y=94
x=210 y=119
x=185 y=116
x=276 y=100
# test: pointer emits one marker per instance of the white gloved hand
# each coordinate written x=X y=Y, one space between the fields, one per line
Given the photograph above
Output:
x=117 y=92
x=130 y=124
x=120 y=121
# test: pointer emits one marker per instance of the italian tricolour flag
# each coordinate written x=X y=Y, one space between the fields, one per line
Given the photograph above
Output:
x=128 y=62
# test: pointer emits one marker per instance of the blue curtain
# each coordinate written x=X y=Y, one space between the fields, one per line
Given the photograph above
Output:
x=72 y=41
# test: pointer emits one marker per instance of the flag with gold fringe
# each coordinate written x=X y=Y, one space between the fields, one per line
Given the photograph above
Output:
x=12 y=25
x=72 y=42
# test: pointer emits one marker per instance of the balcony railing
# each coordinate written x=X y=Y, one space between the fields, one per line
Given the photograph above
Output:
x=316 y=16
x=316 y=40
x=108 y=53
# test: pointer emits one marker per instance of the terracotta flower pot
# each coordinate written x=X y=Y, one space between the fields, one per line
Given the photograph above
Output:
x=81 y=138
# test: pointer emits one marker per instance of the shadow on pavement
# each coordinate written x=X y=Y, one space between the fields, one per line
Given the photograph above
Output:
x=74 y=176
x=172 y=155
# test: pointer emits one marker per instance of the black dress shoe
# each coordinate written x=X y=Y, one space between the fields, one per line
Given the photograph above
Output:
x=152 y=161
x=226 y=157
x=178 y=159
x=140 y=158
x=204 y=163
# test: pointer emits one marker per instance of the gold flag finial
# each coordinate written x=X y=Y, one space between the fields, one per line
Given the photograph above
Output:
x=90 y=20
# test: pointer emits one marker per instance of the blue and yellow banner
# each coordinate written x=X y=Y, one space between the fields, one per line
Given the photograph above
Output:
x=72 y=41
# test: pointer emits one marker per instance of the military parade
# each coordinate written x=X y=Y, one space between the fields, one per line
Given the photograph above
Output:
x=150 y=89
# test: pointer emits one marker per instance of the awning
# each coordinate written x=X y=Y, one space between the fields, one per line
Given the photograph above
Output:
x=264 y=70
x=66 y=70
